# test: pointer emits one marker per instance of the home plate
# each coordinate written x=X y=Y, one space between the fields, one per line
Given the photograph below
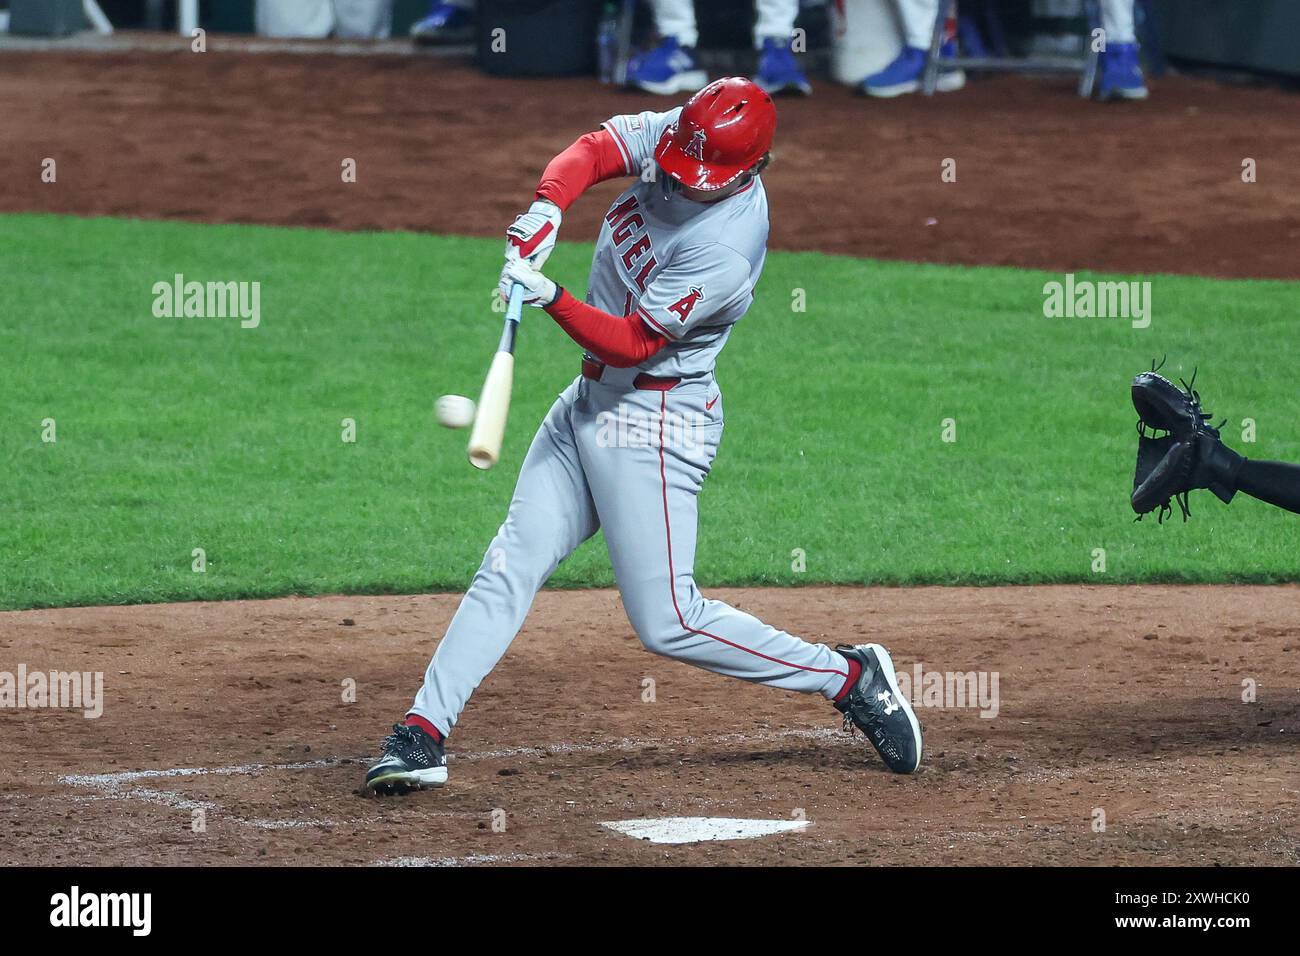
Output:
x=698 y=829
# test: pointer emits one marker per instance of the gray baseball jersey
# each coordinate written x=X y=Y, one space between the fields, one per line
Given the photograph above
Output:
x=687 y=269
x=630 y=460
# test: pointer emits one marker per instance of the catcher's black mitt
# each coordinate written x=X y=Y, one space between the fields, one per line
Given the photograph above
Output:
x=1188 y=455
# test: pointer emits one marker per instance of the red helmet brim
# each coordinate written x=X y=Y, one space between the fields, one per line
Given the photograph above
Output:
x=691 y=172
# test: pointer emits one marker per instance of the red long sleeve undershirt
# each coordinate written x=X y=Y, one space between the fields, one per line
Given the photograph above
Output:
x=592 y=158
x=620 y=341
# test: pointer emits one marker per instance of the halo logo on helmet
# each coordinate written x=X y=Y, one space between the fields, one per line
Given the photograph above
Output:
x=695 y=148
x=724 y=130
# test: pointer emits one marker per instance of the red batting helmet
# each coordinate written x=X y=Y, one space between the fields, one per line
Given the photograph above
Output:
x=723 y=130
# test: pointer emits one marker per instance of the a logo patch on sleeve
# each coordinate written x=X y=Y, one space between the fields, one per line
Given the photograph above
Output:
x=683 y=306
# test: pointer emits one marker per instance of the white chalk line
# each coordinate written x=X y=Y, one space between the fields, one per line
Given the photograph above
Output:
x=113 y=785
x=99 y=780
x=473 y=859
x=116 y=778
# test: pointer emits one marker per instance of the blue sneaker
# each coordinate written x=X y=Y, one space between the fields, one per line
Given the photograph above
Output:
x=904 y=75
x=777 y=69
x=667 y=69
x=1121 y=73
x=446 y=23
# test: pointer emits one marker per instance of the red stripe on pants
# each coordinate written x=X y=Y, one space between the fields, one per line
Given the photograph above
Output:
x=672 y=576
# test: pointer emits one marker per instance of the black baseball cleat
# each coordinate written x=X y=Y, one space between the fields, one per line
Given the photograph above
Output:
x=878 y=709
x=412 y=760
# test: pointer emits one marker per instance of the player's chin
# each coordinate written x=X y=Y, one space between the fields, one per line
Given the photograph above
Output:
x=720 y=193
x=708 y=195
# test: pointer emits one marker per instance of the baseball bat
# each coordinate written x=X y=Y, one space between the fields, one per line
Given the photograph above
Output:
x=494 y=402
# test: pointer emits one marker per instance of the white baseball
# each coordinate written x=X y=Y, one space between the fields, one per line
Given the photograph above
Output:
x=454 y=411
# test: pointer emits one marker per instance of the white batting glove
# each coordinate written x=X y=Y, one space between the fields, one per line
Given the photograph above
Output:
x=531 y=237
x=539 y=291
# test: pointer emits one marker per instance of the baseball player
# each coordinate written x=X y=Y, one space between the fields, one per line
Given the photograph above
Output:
x=676 y=262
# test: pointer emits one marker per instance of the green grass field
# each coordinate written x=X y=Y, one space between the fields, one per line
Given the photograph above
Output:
x=176 y=434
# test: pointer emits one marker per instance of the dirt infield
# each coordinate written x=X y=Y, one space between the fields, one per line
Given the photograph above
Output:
x=1043 y=179
x=1124 y=700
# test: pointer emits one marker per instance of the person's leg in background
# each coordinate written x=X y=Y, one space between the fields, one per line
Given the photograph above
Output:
x=1121 y=70
x=448 y=21
x=917 y=17
x=676 y=19
x=298 y=19
x=670 y=67
x=773 y=38
x=905 y=73
x=363 y=19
